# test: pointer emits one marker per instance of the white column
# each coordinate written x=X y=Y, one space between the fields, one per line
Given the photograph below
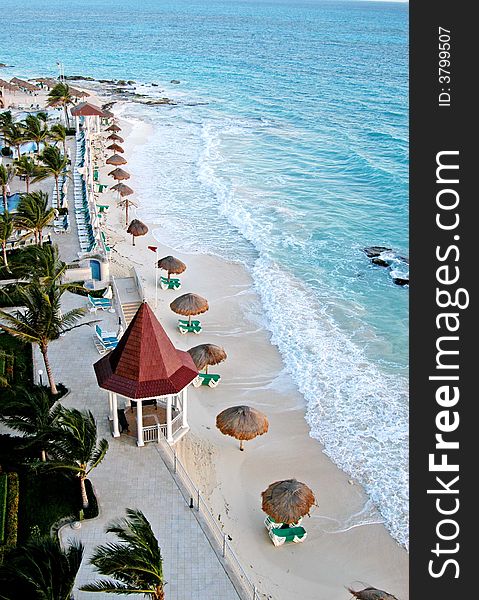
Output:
x=184 y=405
x=116 y=430
x=77 y=124
x=110 y=406
x=169 y=429
x=139 y=423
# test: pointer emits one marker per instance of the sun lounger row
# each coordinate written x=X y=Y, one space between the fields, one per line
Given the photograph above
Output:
x=105 y=340
x=86 y=234
x=62 y=225
x=63 y=188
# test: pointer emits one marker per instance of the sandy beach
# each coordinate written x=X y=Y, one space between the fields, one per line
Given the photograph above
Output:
x=341 y=550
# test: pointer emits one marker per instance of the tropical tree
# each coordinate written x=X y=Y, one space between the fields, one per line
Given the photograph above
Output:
x=34 y=414
x=60 y=95
x=78 y=449
x=33 y=213
x=36 y=130
x=6 y=120
x=43 y=116
x=40 y=320
x=135 y=565
x=41 y=569
x=6 y=176
x=14 y=136
x=54 y=165
x=7 y=227
x=26 y=167
x=58 y=133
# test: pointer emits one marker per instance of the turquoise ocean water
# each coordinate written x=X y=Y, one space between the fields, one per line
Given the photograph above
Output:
x=289 y=143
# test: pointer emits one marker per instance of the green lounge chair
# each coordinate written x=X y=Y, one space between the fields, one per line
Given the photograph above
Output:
x=95 y=175
x=269 y=523
x=280 y=535
x=210 y=379
x=172 y=284
x=185 y=327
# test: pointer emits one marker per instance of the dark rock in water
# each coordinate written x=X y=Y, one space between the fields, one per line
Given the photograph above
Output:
x=131 y=82
x=175 y=81
x=161 y=101
x=400 y=281
x=79 y=78
x=3 y=65
x=372 y=251
x=380 y=262
x=111 y=81
x=154 y=85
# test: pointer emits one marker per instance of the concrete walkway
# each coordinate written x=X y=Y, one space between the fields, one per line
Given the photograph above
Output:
x=135 y=478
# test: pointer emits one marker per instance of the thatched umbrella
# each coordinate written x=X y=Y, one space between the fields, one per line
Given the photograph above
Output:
x=115 y=148
x=242 y=423
x=119 y=174
x=122 y=189
x=371 y=593
x=171 y=265
x=115 y=138
x=113 y=128
x=287 y=501
x=137 y=228
x=207 y=354
x=188 y=305
x=116 y=160
x=126 y=203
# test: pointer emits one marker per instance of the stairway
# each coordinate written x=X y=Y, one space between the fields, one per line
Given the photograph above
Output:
x=129 y=310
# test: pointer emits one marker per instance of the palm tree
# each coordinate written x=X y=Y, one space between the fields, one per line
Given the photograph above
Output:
x=136 y=564
x=6 y=119
x=6 y=176
x=26 y=167
x=7 y=227
x=35 y=130
x=60 y=95
x=58 y=133
x=78 y=449
x=54 y=165
x=15 y=136
x=34 y=414
x=43 y=116
x=33 y=213
x=41 y=569
x=40 y=320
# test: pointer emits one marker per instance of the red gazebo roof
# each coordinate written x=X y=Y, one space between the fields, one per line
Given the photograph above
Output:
x=145 y=363
x=86 y=109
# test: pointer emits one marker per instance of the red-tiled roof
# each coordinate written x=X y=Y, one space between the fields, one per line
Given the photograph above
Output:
x=145 y=363
x=86 y=109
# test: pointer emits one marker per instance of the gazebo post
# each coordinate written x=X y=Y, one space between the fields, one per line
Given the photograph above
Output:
x=139 y=423
x=184 y=406
x=169 y=429
x=114 y=408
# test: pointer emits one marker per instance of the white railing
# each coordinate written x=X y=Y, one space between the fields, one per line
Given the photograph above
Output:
x=176 y=423
x=218 y=539
x=118 y=302
x=139 y=285
x=153 y=433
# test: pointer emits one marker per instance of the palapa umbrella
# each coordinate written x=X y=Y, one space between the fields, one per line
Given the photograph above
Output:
x=188 y=305
x=116 y=160
x=171 y=265
x=122 y=189
x=372 y=593
x=115 y=138
x=242 y=422
x=115 y=147
x=207 y=354
x=126 y=203
x=287 y=501
x=113 y=128
x=137 y=228
x=119 y=174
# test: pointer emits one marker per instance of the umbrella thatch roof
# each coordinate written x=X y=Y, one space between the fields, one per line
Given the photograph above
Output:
x=125 y=190
x=207 y=354
x=115 y=148
x=242 y=423
x=115 y=138
x=116 y=159
x=172 y=265
x=113 y=127
x=189 y=304
x=371 y=593
x=137 y=228
x=288 y=500
x=119 y=174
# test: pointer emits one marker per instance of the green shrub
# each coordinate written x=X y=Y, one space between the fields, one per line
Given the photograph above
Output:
x=3 y=505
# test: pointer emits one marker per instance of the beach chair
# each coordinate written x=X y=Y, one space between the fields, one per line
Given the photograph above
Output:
x=185 y=327
x=209 y=379
x=100 y=303
x=280 y=533
x=172 y=284
x=105 y=341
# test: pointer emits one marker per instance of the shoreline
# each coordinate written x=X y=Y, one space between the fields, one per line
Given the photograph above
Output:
x=288 y=450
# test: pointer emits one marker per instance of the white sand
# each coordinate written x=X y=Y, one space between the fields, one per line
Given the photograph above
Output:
x=337 y=553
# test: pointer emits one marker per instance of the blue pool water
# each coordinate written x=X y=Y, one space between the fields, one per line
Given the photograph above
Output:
x=289 y=142
x=12 y=202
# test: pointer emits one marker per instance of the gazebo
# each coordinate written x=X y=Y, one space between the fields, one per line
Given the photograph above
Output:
x=145 y=366
x=89 y=115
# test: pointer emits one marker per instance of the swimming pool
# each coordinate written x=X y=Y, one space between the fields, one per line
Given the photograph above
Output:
x=12 y=202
